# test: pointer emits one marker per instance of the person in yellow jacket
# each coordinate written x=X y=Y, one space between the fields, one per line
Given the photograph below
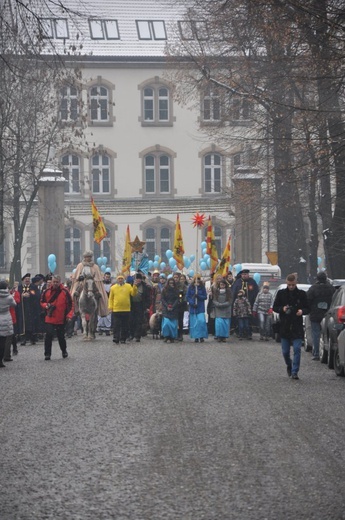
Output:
x=119 y=304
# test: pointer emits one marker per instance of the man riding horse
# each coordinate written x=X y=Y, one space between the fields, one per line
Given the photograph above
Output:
x=88 y=268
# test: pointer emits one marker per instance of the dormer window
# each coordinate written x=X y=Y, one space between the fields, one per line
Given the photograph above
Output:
x=151 y=30
x=104 y=29
x=54 y=28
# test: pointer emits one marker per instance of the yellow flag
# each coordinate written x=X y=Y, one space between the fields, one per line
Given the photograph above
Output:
x=224 y=264
x=99 y=231
x=211 y=246
x=127 y=253
x=178 y=251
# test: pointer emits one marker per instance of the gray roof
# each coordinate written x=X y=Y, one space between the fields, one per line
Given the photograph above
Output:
x=126 y=12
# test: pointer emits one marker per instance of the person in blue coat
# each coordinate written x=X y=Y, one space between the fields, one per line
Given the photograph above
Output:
x=196 y=297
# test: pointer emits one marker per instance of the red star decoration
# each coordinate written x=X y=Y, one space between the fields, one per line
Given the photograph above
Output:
x=198 y=220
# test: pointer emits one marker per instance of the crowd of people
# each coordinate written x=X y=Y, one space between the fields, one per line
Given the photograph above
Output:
x=167 y=305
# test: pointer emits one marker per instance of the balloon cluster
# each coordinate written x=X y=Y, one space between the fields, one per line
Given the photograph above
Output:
x=102 y=262
x=156 y=263
x=51 y=263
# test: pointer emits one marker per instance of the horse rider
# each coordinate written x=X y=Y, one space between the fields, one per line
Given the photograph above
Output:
x=87 y=268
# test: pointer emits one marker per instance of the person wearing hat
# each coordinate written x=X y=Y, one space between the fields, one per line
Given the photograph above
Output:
x=291 y=303
x=88 y=267
x=244 y=282
x=104 y=322
x=120 y=305
x=319 y=300
x=242 y=310
x=28 y=310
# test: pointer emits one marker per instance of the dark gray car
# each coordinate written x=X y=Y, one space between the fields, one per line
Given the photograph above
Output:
x=331 y=326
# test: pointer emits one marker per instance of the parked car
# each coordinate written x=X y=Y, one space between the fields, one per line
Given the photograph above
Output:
x=339 y=355
x=331 y=326
x=308 y=338
x=275 y=315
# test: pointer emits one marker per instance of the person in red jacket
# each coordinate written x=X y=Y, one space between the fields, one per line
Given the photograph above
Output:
x=57 y=303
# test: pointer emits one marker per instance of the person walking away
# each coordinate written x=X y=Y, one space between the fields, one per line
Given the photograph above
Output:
x=319 y=297
x=6 y=325
x=57 y=303
x=120 y=306
x=242 y=310
x=291 y=303
x=222 y=300
x=170 y=308
x=196 y=297
x=263 y=308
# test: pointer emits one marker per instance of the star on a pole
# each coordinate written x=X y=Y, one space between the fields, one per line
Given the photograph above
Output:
x=137 y=245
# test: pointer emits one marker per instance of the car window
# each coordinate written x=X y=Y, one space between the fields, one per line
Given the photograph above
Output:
x=337 y=298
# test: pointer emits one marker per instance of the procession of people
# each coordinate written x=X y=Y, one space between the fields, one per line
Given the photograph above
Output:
x=43 y=308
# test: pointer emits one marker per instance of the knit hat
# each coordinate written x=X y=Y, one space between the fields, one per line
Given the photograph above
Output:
x=321 y=276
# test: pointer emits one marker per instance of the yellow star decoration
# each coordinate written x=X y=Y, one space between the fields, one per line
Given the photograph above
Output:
x=137 y=245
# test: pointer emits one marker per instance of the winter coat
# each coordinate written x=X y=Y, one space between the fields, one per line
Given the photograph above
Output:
x=249 y=287
x=242 y=308
x=196 y=296
x=58 y=309
x=263 y=302
x=170 y=302
x=120 y=297
x=319 y=300
x=222 y=303
x=291 y=326
x=6 y=301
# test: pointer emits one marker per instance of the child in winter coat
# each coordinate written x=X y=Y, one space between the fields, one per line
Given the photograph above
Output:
x=242 y=310
x=263 y=307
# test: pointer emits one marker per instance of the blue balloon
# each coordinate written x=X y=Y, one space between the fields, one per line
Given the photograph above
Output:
x=204 y=252
x=206 y=256
x=51 y=258
x=257 y=277
x=203 y=245
x=99 y=261
x=155 y=264
x=156 y=258
x=172 y=262
x=168 y=253
x=52 y=267
x=103 y=268
x=163 y=265
x=108 y=270
x=150 y=264
x=104 y=260
x=203 y=266
x=192 y=258
x=191 y=272
x=187 y=263
x=238 y=268
x=74 y=270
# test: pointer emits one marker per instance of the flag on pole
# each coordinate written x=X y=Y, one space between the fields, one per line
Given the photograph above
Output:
x=224 y=264
x=127 y=253
x=211 y=248
x=99 y=231
x=178 y=251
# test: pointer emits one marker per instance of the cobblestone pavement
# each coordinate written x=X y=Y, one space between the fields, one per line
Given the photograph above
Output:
x=185 y=431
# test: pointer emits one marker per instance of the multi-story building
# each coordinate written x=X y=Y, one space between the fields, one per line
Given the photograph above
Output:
x=144 y=158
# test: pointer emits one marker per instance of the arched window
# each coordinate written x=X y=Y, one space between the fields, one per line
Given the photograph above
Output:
x=157 y=174
x=100 y=173
x=99 y=101
x=103 y=249
x=211 y=105
x=69 y=103
x=71 y=172
x=156 y=104
x=212 y=173
x=72 y=246
x=158 y=240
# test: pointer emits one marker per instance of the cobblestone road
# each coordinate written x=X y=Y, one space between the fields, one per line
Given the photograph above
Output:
x=188 y=431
